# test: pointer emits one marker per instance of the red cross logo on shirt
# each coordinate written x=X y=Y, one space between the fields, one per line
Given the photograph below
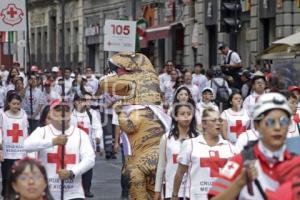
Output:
x=56 y=158
x=175 y=158
x=12 y=12
x=238 y=128
x=81 y=126
x=15 y=133
x=296 y=118
x=214 y=162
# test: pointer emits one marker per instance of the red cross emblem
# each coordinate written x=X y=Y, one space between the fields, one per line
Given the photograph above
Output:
x=12 y=15
x=15 y=133
x=214 y=162
x=296 y=118
x=81 y=126
x=56 y=158
x=175 y=158
x=238 y=128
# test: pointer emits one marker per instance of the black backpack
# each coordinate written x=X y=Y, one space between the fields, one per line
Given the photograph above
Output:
x=222 y=93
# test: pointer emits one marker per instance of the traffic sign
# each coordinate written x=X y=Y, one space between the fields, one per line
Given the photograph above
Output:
x=119 y=35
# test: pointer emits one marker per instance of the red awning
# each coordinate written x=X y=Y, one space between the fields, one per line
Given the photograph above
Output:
x=158 y=32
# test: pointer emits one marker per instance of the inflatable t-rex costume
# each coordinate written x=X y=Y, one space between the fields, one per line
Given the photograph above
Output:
x=136 y=84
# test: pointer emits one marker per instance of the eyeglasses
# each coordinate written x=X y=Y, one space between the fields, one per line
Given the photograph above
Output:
x=283 y=121
x=34 y=177
x=213 y=119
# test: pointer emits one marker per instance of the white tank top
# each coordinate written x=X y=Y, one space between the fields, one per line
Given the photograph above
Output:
x=14 y=131
x=237 y=123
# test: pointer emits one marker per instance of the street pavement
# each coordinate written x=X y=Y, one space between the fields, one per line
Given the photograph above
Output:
x=106 y=179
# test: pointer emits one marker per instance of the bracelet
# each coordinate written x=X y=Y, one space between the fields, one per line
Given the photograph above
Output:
x=174 y=195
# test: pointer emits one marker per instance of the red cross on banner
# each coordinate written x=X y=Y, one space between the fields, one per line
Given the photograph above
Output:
x=56 y=158
x=15 y=133
x=81 y=126
x=238 y=128
x=175 y=158
x=214 y=162
x=12 y=12
x=296 y=118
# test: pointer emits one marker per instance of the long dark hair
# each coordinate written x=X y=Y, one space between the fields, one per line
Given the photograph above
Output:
x=190 y=100
x=80 y=97
x=192 y=132
x=9 y=77
x=17 y=169
x=11 y=95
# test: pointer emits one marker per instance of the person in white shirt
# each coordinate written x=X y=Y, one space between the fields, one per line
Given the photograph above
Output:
x=184 y=127
x=236 y=120
x=206 y=102
x=49 y=142
x=92 y=82
x=168 y=87
x=258 y=88
x=49 y=93
x=199 y=79
x=166 y=76
x=202 y=158
x=3 y=74
x=294 y=128
x=193 y=88
x=84 y=119
x=13 y=131
x=232 y=65
x=36 y=103
x=9 y=84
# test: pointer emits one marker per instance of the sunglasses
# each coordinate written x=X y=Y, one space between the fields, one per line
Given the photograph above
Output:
x=283 y=122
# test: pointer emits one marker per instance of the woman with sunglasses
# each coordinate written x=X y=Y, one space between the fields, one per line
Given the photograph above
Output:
x=271 y=117
x=183 y=127
x=235 y=119
x=202 y=157
x=14 y=126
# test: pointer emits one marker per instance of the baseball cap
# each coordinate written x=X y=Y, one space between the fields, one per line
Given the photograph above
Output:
x=55 y=69
x=34 y=68
x=56 y=103
x=293 y=87
x=245 y=73
x=221 y=46
x=207 y=89
x=270 y=101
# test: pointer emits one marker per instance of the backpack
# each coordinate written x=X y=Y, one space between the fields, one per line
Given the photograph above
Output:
x=222 y=93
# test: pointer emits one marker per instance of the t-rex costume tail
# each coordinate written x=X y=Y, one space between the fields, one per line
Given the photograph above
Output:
x=136 y=84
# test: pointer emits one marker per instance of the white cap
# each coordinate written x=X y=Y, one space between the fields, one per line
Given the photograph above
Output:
x=270 y=101
x=55 y=69
x=207 y=88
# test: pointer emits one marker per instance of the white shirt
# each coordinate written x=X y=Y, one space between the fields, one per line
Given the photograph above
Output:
x=195 y=91
x=237 y=123
x=204 y=163
x=220 y=82
x=201 y=106
x=245 y=137
x=13 y=131
x=37 y=101
x=92 y=83
x=200 y=81
x=79 y=157
x=235 y=58
x=163 y=78
x=168 y=90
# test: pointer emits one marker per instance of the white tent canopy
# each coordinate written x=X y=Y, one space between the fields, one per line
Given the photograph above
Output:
x=285 y=48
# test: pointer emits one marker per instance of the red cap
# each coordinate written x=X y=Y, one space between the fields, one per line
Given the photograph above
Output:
x=292 y=88
x=48 y=82
x=57 y=102
x=34 y=68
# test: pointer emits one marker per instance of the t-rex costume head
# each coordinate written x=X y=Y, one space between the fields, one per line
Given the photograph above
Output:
x=136 y=85
x=134 y=81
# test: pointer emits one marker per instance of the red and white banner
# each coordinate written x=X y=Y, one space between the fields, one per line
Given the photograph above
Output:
x=12 y=15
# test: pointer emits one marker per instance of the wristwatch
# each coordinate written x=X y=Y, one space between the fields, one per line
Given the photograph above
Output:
x=72 y=175
x=174 y=195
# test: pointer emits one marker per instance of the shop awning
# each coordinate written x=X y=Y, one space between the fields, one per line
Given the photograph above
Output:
x=158 y=32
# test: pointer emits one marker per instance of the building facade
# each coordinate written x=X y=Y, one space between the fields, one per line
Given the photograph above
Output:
x=184 y=31
x=46 y=33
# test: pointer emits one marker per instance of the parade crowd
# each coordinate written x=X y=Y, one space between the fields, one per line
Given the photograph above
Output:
x=226 y=139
